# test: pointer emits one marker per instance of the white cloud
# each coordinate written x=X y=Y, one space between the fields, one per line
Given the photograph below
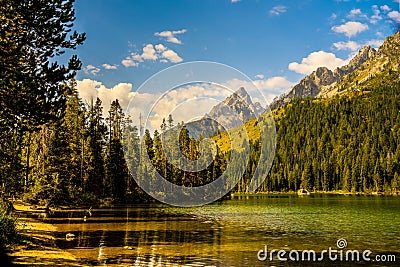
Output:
x=171 y=56
x=277 y=10
x=354 y=12
x=353 y=46
x=160 y=48
x=376 y=16
x=129 y=62
x=350 y=45
x=91 y=69
x=153 y=53
x=375 y=43
x=110 y=67
x=332 y=17
x=149 y=53
x=170 y=35
x=385 y=8
x=315 y=60
x=179 y=102
x=259 y=76
x=270 y=87
x=235 y=1
x=350 y=28
x=277 y=82
x=395 y=16
x=90 y=89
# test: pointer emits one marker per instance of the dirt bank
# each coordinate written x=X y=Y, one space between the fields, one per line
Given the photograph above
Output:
x=38 y=247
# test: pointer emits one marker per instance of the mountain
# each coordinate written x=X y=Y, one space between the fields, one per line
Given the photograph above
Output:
x=364 y=66
x=323 y=78
x=386 y=59
x=239 y=103
x=235 y=110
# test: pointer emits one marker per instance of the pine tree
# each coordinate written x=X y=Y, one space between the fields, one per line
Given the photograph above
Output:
x=306 y=177
x=116 y=170
x=74 y=122
x=33 y=87
x=184 y=145
x=131 y=144
x=94 y=172
x=158 y=159
x=117 y=173
x=60 y=178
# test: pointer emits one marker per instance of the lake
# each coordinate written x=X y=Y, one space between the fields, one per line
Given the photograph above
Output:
x=232 y=232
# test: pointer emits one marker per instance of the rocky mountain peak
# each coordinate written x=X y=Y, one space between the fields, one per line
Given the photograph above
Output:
x=323 y=78
x=242 y=92
x=239 y=103
x=390 y=48
x=365 y=53
x=232 y=112
x=240 y=95
x=395 y=38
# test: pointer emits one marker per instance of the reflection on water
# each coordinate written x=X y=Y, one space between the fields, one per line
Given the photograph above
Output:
x=230 y=233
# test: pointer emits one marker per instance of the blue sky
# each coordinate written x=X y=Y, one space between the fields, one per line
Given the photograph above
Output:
x=275 y=43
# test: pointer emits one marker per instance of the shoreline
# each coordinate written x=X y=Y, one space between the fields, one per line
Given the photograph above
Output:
x=292 y=193
x=38 y=242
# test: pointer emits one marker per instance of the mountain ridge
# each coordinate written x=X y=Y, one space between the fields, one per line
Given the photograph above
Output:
x=322 y=78
x=386 y=58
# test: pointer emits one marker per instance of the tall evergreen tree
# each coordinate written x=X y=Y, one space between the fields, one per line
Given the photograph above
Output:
x=117 y=173
x=94 y=173
x=60 y=177
x=32 y=84
x=131 y=145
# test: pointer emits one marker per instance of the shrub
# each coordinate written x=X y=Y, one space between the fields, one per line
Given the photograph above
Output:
x=8 y=228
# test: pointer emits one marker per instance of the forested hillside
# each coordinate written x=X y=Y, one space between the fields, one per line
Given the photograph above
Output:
x=348 y=143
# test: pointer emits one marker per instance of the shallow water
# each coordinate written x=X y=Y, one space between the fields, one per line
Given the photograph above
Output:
x=231 y=232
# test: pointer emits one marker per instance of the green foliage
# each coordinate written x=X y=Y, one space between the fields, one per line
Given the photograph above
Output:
x=348 y=143
x=33 y=91
x=93 y=151
x=57 y=155
x=33 y=35
x=8 y=224
x=115 y=183
x=8 y=229
x=116 y=169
